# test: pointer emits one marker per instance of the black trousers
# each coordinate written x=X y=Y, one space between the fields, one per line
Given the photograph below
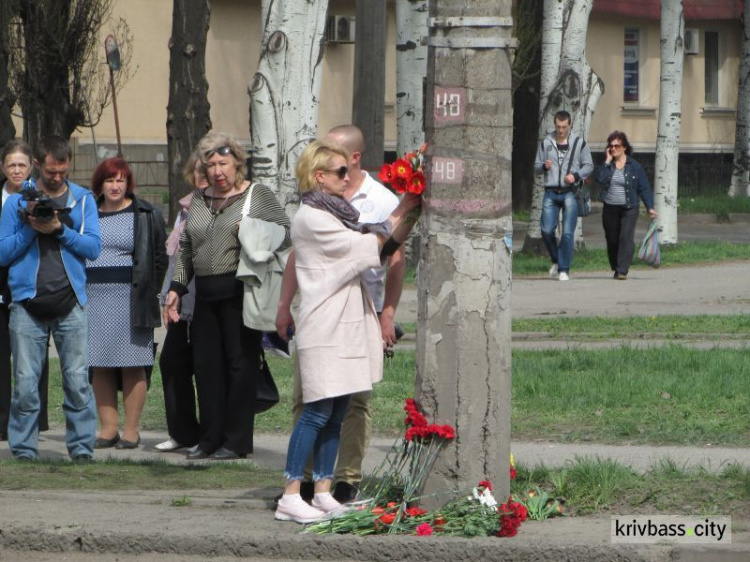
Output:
x=176 y=365
x=6 y=375
x=227 y=363
x=619 y=230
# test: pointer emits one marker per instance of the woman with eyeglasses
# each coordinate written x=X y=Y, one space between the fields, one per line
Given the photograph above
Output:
x=15 y=162
x=624 y=182
x=339 y=342
x=226 y=353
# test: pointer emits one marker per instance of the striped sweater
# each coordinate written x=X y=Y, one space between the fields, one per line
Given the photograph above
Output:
x=209 y=244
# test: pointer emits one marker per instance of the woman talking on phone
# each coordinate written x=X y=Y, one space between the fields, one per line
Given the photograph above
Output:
x=624 y=182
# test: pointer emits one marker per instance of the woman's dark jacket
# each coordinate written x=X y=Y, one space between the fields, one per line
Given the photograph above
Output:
x=636 y=183
x=149 y=264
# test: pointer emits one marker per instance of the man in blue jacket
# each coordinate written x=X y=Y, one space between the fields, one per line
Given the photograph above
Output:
x=565 y=161
x=46 y=238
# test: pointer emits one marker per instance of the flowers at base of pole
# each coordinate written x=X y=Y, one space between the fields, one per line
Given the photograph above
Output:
x=423 y=530
x=512 y=515
x=483 y=494
x=541 y=505
x=406 y=174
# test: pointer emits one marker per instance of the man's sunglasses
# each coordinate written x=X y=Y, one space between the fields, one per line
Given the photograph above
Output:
x=340 y=172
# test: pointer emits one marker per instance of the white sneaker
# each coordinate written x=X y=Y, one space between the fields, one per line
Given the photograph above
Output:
x=564 y=276
x=326 y=502
x=293 y=508
x=553 y=270
x=168 y=445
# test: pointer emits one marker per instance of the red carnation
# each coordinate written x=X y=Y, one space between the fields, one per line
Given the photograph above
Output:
x=414 y=511
x=386 y=173
x=417 y=183
x=387 y=518
x=424 y=530
x=402 y=169
x=486 y=484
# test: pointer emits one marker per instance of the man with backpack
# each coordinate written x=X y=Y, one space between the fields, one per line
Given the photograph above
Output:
x=565 y=160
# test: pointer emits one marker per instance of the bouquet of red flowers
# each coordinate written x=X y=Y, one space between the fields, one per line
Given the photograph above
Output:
x=407 y=173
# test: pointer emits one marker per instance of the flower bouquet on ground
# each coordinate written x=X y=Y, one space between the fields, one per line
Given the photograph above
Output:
x=407 y=173
x=394 y=488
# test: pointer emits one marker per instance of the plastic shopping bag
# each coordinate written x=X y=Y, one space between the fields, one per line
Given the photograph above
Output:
x=649 y=251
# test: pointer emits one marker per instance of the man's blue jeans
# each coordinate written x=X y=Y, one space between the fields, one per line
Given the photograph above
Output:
x=28 y=341
x=561 y=254
x=317 y=431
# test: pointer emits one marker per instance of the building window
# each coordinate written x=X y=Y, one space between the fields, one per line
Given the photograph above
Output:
x=631 y=65
x=712 y=67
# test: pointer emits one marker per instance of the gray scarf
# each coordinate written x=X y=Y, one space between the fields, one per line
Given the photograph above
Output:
x=345 y=212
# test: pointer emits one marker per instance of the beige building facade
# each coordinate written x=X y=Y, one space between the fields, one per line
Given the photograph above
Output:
x=623 y=48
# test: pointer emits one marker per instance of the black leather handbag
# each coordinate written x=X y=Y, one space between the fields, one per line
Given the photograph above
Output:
x=267 y=394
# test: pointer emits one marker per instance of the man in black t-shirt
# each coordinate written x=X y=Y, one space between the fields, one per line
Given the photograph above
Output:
x=46 y=238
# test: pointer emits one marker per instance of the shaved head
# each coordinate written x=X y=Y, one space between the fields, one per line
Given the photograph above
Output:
x=348 y=136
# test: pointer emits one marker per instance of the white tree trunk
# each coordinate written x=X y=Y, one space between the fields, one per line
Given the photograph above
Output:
x=567 y=82
x=285 y=92
x=670 y=107
x=740 y=185
x=552 y=41
x=411 y=68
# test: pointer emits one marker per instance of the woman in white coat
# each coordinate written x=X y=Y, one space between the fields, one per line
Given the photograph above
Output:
x=339 y=341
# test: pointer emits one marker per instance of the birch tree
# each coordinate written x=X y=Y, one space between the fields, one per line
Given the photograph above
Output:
x=740 y=185
x=670 y=116
x=188 y=110
x=568 y=82
x=463 y=343
x=285 y=92
x=411 y=68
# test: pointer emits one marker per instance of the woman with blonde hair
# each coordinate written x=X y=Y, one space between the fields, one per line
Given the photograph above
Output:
x=226 y=353
x=339 y=342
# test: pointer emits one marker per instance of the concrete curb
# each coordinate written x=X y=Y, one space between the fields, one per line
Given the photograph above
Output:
x=337 y=547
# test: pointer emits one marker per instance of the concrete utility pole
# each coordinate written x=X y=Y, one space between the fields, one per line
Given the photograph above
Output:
x=368 y=111
x=463 y=346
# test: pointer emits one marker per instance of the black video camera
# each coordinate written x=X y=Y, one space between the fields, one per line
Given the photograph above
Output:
x=43 y=208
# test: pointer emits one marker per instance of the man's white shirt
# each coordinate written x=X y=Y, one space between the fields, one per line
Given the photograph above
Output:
x=375 y=203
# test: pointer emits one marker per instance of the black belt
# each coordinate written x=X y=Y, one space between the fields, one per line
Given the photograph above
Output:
x=559 y=191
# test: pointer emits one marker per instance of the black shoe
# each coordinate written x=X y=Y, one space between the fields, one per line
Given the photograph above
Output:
x=306 y=492
x=224 y=454
x=125 y=444
x=343 y=492
x=83 y=457
x=197 y=454
x=102 y=443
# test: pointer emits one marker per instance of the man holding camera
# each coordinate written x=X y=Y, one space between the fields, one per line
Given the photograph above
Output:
x=565 y=160
x=46 y=235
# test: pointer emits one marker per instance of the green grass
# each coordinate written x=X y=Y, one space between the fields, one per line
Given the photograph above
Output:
x=671 y=394
x=664 y=395
x=673 y=327
x=105 y=474
x=664 y=326
x=588 y=485
x=720 y=205
x=684 y=253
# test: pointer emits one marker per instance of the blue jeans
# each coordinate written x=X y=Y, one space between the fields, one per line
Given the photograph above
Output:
x=317 y=431
x=561 y=254
x=28 y=341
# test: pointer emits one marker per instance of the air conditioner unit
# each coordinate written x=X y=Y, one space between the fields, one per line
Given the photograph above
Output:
x=340 y=29
x=692 y=41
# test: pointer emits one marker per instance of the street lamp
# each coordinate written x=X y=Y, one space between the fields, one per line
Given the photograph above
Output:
x=113 y=61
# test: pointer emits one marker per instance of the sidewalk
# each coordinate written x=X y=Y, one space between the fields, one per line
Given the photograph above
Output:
x=78 y=525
